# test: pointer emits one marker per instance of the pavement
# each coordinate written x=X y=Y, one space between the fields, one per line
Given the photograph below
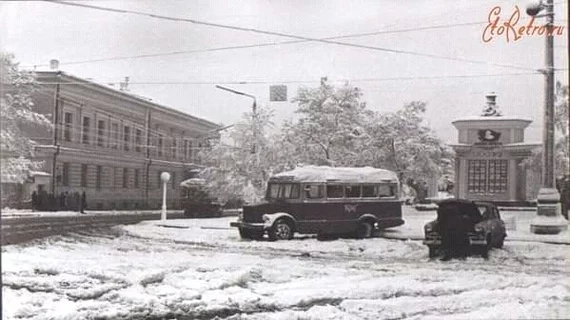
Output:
x=516 y=221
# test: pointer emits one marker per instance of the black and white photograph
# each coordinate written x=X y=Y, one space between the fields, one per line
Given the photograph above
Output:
x=284 y=159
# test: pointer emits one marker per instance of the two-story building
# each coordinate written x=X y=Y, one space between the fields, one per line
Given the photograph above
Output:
x=113 y=145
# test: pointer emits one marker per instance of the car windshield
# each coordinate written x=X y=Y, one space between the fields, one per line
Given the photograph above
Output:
x=465 y=210
x=283 y=191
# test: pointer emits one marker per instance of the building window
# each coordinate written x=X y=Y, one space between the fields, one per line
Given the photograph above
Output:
x=138 y=140
x=159 y=184
x=65 y=175
x=137 y=172
x=173 y=179
x=68 y=125
x=125 y=177
x=115 y=135
x=477 y=176
x=98 y=177
x=185 y=149
x=84 y=175
x=498 y=174
x=101 y=133
x=159 y=145
x=126 y=137
x=86 y=129
x=174 y=148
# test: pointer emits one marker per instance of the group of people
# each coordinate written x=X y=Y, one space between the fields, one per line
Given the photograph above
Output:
x=44 y=201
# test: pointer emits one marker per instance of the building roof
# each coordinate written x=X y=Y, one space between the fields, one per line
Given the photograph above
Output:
x=337 y=174
x=71 y=79
x=492 y=118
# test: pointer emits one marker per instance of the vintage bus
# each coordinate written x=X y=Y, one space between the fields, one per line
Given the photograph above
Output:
x=326 y=201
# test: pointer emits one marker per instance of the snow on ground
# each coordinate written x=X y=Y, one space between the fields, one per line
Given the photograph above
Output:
x=200 y=269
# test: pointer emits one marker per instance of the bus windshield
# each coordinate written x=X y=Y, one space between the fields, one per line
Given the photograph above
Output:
x=283 y=191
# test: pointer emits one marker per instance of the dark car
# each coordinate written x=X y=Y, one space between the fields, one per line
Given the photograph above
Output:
x=464 y=225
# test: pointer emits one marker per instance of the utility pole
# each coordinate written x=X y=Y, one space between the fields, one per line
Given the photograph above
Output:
x=548 y=220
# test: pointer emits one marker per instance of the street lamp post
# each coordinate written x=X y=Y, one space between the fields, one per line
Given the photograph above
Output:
x=253 y=109
x=549 y=219
x=164 y=177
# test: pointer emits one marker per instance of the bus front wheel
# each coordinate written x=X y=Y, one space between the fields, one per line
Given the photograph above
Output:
x=281 y=230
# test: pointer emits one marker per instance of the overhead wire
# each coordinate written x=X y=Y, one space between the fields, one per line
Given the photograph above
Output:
x=242 y=82
x=287 y=35
x=355 y=35
x=260 y=45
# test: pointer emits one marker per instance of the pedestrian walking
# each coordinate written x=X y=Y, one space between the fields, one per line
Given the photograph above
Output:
x=61 y=201
x=34 y=201
x=83 y=204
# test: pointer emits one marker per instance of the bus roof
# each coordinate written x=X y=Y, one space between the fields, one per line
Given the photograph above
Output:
x=337 y=174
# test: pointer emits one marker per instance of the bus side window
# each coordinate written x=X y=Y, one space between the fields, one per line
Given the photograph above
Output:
x=295 y=191
x=385 y=191
x=314 y=192
x=335 y=191
x=370 y=191
x=352 y=191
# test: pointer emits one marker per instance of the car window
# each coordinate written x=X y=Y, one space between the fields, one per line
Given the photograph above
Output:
x=484 y=212
x=352 y=191
x=335 y=191
x=314 y=191
x=385 y=191
x=284 y=191
x=369 y=191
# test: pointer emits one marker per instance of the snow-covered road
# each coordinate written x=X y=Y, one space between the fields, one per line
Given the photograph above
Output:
x=200 y=269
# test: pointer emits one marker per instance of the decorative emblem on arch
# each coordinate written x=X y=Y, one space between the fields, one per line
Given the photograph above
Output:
x=488 y=135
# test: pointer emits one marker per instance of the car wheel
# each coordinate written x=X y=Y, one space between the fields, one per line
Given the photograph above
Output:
x=500 y=243
x=364 y=230
x=486 y=248
x=432 y=252
x=281 y=230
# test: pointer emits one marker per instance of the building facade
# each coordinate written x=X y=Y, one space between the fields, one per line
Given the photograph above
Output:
x=114 y=145
x=489 y=155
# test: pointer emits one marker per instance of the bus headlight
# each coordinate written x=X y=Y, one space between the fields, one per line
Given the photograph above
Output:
x=265 y=218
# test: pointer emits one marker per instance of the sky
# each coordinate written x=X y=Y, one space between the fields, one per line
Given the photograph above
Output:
x=181 y=69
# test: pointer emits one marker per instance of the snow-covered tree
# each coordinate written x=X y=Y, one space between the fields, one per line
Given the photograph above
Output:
x=239 y=165
x=331 y=125
x=402 y=142
x=16 y=104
